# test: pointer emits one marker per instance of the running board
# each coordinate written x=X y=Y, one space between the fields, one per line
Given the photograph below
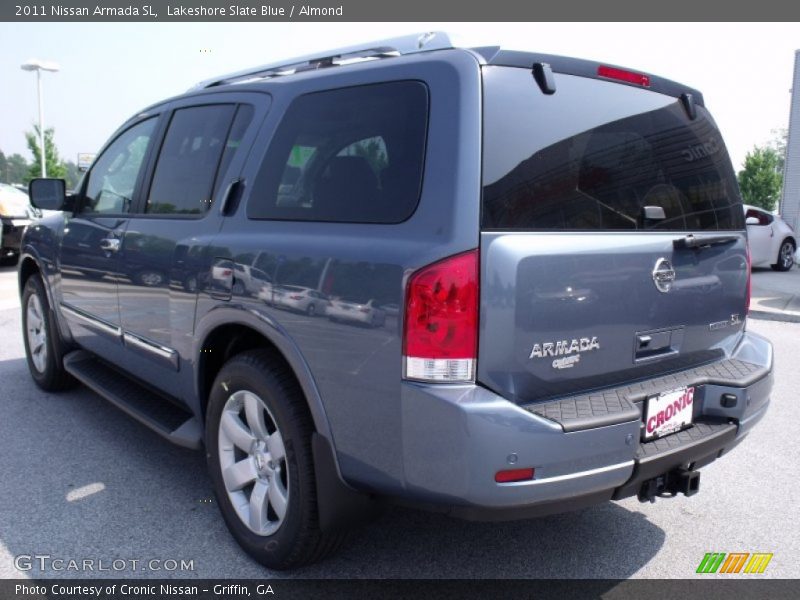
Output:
x=149 y=408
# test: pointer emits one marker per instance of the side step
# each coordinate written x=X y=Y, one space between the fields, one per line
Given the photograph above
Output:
x=147 y=407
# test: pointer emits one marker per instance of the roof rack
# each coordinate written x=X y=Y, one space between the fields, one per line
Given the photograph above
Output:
x=409 y=44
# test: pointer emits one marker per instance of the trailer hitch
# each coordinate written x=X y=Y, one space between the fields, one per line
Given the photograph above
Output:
x=670 y=484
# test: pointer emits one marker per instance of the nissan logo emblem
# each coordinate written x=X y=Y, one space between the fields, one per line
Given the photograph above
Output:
x=663 y=275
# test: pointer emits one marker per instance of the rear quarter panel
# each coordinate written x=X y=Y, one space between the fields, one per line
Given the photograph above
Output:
x=357 y=369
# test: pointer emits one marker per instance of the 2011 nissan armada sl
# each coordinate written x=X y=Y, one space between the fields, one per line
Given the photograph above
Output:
x=492 y=283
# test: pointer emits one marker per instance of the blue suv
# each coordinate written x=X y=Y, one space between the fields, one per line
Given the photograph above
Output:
x=491 y=283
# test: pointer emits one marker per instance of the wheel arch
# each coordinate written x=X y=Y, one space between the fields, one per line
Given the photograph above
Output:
x=28 y=266
x=228 y=331
x=340 y=505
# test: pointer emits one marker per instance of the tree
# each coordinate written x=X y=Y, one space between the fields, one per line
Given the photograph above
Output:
x=55 y=168
x=73 y=175
x=16 y=168
x=760 y=181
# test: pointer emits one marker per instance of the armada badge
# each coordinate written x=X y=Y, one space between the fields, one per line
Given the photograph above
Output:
x=564 y=347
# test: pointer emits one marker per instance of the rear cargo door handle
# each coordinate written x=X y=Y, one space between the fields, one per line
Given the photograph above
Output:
x=110 y=244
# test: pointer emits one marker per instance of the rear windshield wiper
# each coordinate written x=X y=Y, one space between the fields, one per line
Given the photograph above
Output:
x=695 y=242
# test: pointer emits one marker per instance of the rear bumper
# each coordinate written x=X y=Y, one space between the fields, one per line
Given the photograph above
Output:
x=455 y=438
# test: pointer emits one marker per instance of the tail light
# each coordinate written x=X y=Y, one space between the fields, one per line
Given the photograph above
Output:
x=440 y=341
x=514 y=475
x=364 y=309
x=296 y=297
x=624 y=75
x=749 y=278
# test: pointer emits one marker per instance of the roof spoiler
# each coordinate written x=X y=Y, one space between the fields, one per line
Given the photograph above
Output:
x=495 y=55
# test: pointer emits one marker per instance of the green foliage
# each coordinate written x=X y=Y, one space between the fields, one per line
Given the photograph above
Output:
x=73 y=175
x=760 y=180
x=13 y=168
x=55 y=168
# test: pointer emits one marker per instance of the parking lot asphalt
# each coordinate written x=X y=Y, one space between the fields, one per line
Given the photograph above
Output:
x=82 y=481
x=776 y=295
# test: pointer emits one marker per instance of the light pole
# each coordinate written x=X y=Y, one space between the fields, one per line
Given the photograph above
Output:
x=34 y=64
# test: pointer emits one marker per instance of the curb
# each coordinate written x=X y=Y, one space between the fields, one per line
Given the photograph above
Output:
x=763 y=315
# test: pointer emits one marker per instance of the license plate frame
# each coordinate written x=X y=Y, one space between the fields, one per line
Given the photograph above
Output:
x=670 y=411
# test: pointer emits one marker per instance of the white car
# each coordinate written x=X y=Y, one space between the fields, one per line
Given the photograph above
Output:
x=361 y=311
x=772 y=241
x=250 y=280
x=300 y=299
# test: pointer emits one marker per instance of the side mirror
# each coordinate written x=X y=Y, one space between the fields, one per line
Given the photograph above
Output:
x=752 y=221
x=48 y=194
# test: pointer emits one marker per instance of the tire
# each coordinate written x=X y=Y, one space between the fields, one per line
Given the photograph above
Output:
x=311 y=310
x=785 y=256
x=150 y=278
x=44 y=349
x=254 y=395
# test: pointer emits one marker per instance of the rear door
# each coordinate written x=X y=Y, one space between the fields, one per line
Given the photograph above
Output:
x=165 y=260
x=583 y=287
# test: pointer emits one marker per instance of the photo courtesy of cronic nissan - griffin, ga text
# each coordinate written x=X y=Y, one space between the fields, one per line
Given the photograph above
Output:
x=491 y=283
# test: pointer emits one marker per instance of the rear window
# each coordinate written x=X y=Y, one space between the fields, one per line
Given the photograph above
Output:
x=594 y=154
x=349 y=155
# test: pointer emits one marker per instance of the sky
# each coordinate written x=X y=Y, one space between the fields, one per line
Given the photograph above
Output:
x=109 y=71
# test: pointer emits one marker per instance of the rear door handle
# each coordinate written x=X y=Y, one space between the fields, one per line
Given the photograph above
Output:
x=110 y=244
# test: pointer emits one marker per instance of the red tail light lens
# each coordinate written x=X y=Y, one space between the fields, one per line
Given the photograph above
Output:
x=622 y=75
x=749 y=278
x=296 y=297
x=512 y=475
x=440 y=342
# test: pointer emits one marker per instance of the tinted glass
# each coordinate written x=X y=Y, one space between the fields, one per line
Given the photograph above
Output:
x=763 y=218
x=353 y=154
x=244 y=114
x=593 y=154
x=187 y=164
x=112 y=179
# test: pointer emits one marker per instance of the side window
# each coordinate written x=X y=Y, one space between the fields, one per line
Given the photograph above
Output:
x=244 y=114
x=112 y=179
x=347 y=155
x=763 y=218
x=187 y=164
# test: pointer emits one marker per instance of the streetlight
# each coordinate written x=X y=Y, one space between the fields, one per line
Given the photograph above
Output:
x=34 y=64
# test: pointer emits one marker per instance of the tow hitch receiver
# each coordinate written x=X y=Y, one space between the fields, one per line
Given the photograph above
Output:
x=670 y=484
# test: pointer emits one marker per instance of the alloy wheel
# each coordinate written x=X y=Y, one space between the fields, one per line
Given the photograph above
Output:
x=37 y=333
x=787 y=255
x=253 y=462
